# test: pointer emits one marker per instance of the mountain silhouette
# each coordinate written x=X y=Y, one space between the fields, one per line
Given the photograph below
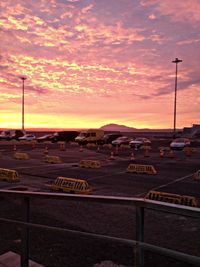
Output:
x=123 y=128
x=117 y=127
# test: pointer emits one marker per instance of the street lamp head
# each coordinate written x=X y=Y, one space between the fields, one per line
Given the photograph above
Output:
x=23 y=78
x=177 y=60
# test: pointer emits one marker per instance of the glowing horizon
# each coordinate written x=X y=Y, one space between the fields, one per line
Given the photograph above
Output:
x=89 y=63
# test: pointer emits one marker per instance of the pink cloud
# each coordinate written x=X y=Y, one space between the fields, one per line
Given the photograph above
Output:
x=83 y=65
x=187 y=10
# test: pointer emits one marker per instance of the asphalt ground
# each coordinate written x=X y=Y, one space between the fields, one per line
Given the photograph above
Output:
x=174 y=175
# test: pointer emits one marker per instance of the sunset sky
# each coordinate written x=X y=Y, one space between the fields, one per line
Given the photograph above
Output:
x=93 y=62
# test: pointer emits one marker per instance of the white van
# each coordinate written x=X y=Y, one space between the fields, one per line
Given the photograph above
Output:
x=90 y=136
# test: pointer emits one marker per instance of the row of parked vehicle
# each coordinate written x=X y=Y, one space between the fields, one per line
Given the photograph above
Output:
x=22 y=135
x=89 y=136
x=12 y=134
x=176 y=144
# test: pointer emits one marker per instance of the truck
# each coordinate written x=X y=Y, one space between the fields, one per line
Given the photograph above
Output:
x=65 y=136
x=90 y=136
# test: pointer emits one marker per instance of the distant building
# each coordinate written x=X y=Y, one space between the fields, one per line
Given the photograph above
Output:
x=194 y=130
x=195 y=127
x=187 y=130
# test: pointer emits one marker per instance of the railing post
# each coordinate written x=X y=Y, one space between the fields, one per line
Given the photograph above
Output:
x=139 y=253
x=25 y=233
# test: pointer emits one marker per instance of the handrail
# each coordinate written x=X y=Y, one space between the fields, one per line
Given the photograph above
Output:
x=146 y=203
x=140 y=205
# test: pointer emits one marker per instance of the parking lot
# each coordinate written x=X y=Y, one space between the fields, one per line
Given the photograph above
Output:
x=174 y=175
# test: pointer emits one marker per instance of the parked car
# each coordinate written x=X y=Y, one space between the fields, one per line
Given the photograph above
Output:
x=108 y=138
x=5 y=135
x=46 y=137
x=27 y=137
x=139 y=141
x=11 y=134
x=179 y=143
x=122 y=140
x=65 y=136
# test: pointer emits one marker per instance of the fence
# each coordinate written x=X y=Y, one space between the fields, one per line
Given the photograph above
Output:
x=140 y=205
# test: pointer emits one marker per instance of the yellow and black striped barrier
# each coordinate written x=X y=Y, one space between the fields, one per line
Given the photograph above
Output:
x=85 y=163
x=164 y=148
x=71 y=185
x=188 y=201
x=9 y=175
x=172 y=198
x=197 y=175
x=145 y=147
x=52 y=159
x=21 y=156
x=91 y=145
x=138 y=168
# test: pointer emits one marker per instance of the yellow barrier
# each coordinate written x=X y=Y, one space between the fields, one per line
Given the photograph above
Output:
x=172 y=198
x=62 y=146
x=197 y=175
x=109 y=146
x=52 y=159
x=164 y=148
x=123 y=146
x=188 y=201
x=91 y=145
x=145 y=147
x=9 y=175
x=161 y=196
x=21 y=156
x=71 y=185
x=137 y=168
x=190 y=149
x=89 y=164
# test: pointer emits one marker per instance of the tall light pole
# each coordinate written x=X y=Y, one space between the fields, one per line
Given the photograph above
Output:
x=23 y=79
x=176 y=61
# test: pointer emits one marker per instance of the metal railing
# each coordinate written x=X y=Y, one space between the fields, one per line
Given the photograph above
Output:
x=140 y=205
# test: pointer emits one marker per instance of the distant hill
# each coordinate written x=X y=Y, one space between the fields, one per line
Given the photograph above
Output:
x=123 y=128
x=117 y=127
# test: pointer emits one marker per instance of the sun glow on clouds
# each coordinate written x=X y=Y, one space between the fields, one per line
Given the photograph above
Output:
x=89 y=63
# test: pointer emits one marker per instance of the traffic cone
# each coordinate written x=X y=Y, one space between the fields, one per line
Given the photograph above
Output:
x=109 y=146
x=132 y=156
x=188 y=151
x=111 y=156
x=33 y=145
x=62 y=147
x=161 y=153
x=117 y=150
x=81 y=149
x=146 y=153
x=14 y=148
x=171 y=154
x=46 y=151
